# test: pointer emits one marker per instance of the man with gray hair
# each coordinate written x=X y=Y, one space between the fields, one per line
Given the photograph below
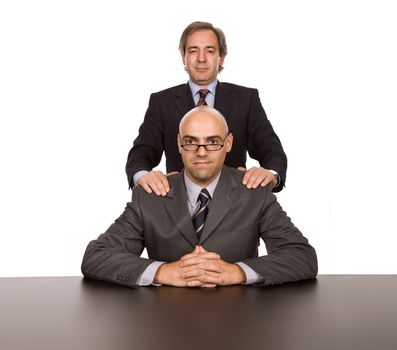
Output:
x=203 y=49
x=205 y=231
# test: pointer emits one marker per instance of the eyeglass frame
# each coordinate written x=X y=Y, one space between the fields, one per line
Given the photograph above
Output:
x=197 y=146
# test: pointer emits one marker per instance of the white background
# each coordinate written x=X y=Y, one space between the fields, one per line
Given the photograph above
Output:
x=75 y=79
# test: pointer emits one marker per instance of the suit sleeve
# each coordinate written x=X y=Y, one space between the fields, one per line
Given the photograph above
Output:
x=115 y=255
x=149 y=145
x=290 y=256
x=263 y=143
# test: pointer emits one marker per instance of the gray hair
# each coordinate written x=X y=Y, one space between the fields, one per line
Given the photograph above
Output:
x=192 y=27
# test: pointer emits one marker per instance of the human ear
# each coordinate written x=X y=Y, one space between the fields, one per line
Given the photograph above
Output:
x=178 y=142
x=229 y=142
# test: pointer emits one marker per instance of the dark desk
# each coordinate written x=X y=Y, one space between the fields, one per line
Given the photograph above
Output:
x=332 y=312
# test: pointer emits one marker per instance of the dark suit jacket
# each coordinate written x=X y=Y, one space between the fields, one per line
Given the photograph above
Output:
x=244 y=114
x=237 y=219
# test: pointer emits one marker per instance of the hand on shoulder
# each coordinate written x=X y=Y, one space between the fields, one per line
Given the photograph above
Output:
x=155 y=181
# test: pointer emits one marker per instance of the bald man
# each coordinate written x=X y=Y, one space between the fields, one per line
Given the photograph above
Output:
x=205 y=231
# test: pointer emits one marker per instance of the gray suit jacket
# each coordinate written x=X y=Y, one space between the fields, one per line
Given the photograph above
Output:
x=237 y=219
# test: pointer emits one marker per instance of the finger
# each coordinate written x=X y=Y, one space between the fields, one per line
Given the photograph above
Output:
x=266 y=181
x=209 y=278
x=193 y=273
x=259 y=179
x=252 y=179
x=190 y=255
x=201 y=269
x=156 y=184
x=241 y=168
x=195 y=283
x=209 y=255
x=159 y=184
x=201 y=249
x=247 y=176
x=145 y=186
x=250 y=176
x=164 y=183
x=200 y=258
x=153 y=185
x=173 y=173
x=205 y=279
x=192 y=260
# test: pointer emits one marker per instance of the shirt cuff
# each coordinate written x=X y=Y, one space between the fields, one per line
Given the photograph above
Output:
x=137 y=175
x=275 y=173
x=250 y=275
x=147 y=276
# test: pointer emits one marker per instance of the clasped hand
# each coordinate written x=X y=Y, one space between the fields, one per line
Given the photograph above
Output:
x=199 y=269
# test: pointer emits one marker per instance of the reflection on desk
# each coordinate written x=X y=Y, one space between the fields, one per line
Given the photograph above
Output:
x=333 y=312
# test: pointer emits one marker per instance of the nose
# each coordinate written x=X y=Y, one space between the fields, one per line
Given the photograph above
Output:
x=201 y=56
x=201 y=151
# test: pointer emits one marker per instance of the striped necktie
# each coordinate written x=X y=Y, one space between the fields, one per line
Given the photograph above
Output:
x=203 y=94
x=199 y=218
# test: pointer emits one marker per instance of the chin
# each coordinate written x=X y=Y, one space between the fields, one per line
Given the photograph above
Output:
x=202 y=176
x=202 y=79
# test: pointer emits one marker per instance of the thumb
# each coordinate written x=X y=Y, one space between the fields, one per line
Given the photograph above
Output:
x=241 y=168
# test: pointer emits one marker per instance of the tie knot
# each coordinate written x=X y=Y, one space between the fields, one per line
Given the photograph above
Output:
x=204 y=196
x=203 y=92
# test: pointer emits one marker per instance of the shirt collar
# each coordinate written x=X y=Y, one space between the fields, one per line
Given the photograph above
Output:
x=193 y=190
x=211 y=87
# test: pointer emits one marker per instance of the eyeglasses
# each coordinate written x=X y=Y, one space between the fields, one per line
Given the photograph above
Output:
x=211 y=147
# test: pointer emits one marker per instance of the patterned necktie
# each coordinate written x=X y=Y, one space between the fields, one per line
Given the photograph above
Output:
x=203 y=94
x=200 y=216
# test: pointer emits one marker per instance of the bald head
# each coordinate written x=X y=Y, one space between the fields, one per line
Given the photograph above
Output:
x=202 y=113
x=203 y=140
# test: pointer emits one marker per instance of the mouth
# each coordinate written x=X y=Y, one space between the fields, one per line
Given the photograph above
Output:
x=202 y=164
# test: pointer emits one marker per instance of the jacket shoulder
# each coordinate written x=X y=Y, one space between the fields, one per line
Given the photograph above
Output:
x=237 y=178
x=237 y=88
x=171 y=90
x=235 y=174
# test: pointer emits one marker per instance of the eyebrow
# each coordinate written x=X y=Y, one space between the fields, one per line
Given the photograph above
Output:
x=207 y=138
x=206 y=47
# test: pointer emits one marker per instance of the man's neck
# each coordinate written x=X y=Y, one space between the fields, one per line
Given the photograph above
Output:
x=196 y=86
x=194 y=187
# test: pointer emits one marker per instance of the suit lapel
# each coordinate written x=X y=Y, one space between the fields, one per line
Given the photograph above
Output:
x=185 y=100
x=224 y=100
x=223 y=200
x=178 y=210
